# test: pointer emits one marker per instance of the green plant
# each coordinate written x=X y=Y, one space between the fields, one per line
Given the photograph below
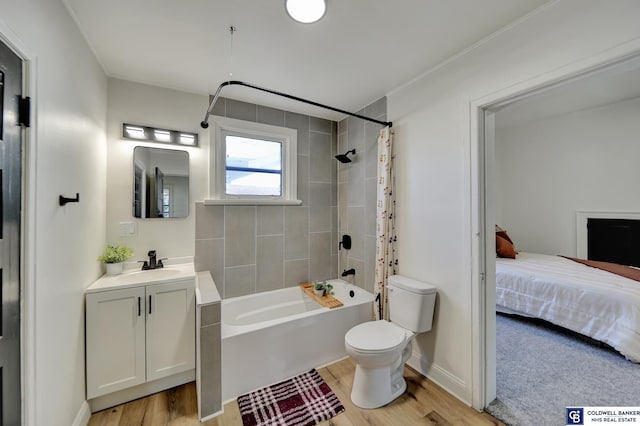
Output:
x=323 y=285
x=115 y=254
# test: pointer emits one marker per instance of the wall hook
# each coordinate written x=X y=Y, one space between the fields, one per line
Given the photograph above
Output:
x=64 y=200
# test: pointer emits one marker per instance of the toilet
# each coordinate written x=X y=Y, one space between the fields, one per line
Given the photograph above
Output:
x=380 y=348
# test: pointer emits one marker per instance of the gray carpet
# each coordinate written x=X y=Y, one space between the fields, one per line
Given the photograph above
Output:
x=541 y=369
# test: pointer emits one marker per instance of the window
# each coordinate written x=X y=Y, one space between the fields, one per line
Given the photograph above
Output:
x=253 y=163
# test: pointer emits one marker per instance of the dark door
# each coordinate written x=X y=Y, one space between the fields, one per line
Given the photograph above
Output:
x=10 y=207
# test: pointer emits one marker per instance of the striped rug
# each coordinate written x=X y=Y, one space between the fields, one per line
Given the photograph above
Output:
x=304 y=400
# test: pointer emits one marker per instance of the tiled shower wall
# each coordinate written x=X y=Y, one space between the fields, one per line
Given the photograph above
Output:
x=357 y=192
x=250 y=249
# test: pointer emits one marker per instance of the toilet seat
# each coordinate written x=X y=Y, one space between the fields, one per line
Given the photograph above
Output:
x=376 y=337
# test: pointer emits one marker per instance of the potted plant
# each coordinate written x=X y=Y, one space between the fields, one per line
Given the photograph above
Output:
x=320 y=288
x=113 y=256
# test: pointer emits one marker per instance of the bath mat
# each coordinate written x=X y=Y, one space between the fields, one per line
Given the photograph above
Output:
x=304 y=400
x=327 y=300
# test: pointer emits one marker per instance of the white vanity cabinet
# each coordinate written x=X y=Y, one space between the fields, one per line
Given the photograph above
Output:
x=137 y=335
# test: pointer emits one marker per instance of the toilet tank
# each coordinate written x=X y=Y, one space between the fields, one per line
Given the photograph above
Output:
x=411 y=303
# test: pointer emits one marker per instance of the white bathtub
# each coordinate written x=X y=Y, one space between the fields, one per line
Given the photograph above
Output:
x=268 y=337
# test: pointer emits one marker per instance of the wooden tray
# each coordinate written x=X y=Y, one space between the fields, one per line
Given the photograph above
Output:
x=327 y=300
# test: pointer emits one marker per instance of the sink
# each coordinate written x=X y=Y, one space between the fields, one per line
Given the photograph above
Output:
x=154 y=274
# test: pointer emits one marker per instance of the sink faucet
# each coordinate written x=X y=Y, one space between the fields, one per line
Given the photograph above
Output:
x=152 y=263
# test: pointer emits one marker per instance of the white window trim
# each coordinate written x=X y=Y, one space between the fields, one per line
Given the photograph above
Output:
x=289 y=138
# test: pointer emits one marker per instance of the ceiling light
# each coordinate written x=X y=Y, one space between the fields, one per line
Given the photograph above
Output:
x=306 y=11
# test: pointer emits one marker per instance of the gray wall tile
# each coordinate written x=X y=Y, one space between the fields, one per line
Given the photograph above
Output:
x=319 y=125
x=241 y=110
x=357 y=193
x=320 y=207
x=239 y=238
x=359 y=278
x=268 y=115
x=303 y=179
x=211 y=369
x=209 y=221
x=356 y=230
x=209 y=256
x=296 y=272
x=219 y=108
x=270 y=220
x=370 y=154
x=301 y=123
x=296 y=232
x=239 y=281
x=377 y=109
x=210 y=314
x=355 y=134
x=240 y=235
x=270 y=263
x=320 y=256
x=321 y=159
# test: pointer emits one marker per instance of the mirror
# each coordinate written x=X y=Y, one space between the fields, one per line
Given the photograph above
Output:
x=160 y=183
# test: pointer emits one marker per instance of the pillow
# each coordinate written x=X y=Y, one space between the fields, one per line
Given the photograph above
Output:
x=504 y=247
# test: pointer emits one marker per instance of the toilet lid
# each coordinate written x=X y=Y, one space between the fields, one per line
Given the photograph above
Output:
x=375 y=336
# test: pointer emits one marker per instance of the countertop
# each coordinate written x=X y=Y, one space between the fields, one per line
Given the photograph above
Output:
x=136 y=277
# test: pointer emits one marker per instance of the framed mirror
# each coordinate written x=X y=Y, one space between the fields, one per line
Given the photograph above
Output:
x=160 y=183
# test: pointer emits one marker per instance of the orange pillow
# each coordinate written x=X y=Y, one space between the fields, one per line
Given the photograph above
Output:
x=504 y=248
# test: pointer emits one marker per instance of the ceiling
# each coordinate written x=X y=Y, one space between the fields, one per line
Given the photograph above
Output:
x=359 y=51
x=614 y=83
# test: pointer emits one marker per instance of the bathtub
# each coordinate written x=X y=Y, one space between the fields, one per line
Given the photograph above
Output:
x=271 y=336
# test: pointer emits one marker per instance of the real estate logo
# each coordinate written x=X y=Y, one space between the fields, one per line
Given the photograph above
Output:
x=575 y=416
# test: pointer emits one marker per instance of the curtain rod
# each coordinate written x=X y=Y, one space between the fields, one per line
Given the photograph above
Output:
x=205 y=122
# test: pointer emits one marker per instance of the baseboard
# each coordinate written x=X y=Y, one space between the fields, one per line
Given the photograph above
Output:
x=83 y=416
x=139 y=391
x=443 y=378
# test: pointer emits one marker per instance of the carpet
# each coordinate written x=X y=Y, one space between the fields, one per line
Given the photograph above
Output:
x=541 y=369
x=304 y=400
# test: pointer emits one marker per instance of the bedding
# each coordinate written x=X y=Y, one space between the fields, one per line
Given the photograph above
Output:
x=589 y=301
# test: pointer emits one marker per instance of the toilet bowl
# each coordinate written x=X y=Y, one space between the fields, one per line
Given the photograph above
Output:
x=381 y=348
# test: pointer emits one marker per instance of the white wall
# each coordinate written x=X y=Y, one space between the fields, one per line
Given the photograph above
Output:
x=549 y=169
x=70 y=156
x=432 y=120
x=136 y=103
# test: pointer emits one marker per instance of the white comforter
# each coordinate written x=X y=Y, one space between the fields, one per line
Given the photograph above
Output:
x=587 y=300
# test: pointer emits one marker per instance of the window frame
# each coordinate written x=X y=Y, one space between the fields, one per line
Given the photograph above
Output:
x=223 y=127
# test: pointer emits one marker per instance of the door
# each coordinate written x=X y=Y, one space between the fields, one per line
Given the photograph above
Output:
x=171 y=328
x=115 y=324
x=10 y=211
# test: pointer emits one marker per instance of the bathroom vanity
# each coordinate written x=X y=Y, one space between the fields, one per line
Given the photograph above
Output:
x=140 y=334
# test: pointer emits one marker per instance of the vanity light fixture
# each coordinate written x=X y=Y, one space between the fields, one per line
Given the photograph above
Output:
x=306 y=11
x=152 y=134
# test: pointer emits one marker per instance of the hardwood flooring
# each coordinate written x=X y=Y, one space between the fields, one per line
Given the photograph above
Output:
x=424 y=403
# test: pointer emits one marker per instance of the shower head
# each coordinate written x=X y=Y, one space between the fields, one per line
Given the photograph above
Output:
x=343 y=158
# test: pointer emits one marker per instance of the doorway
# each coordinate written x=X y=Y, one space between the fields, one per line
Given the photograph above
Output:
x=10 y=233
x=487 y=191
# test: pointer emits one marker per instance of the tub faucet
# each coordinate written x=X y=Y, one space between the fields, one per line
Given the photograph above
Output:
x=346 y=272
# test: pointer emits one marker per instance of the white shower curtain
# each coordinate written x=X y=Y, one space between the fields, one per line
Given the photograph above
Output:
x=386 y=261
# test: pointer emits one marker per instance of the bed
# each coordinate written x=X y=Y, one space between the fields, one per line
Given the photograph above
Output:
x=589 y=301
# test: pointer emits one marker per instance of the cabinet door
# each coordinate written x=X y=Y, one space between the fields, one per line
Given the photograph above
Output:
x=115 y=331
x=170 y=328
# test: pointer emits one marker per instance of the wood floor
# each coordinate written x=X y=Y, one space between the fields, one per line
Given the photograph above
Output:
x=424 y=403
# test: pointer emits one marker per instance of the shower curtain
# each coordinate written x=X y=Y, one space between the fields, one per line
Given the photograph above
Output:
x=386 y=261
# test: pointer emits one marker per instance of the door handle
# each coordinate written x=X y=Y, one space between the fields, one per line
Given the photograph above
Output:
x=139 y=305
x=149 y=304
